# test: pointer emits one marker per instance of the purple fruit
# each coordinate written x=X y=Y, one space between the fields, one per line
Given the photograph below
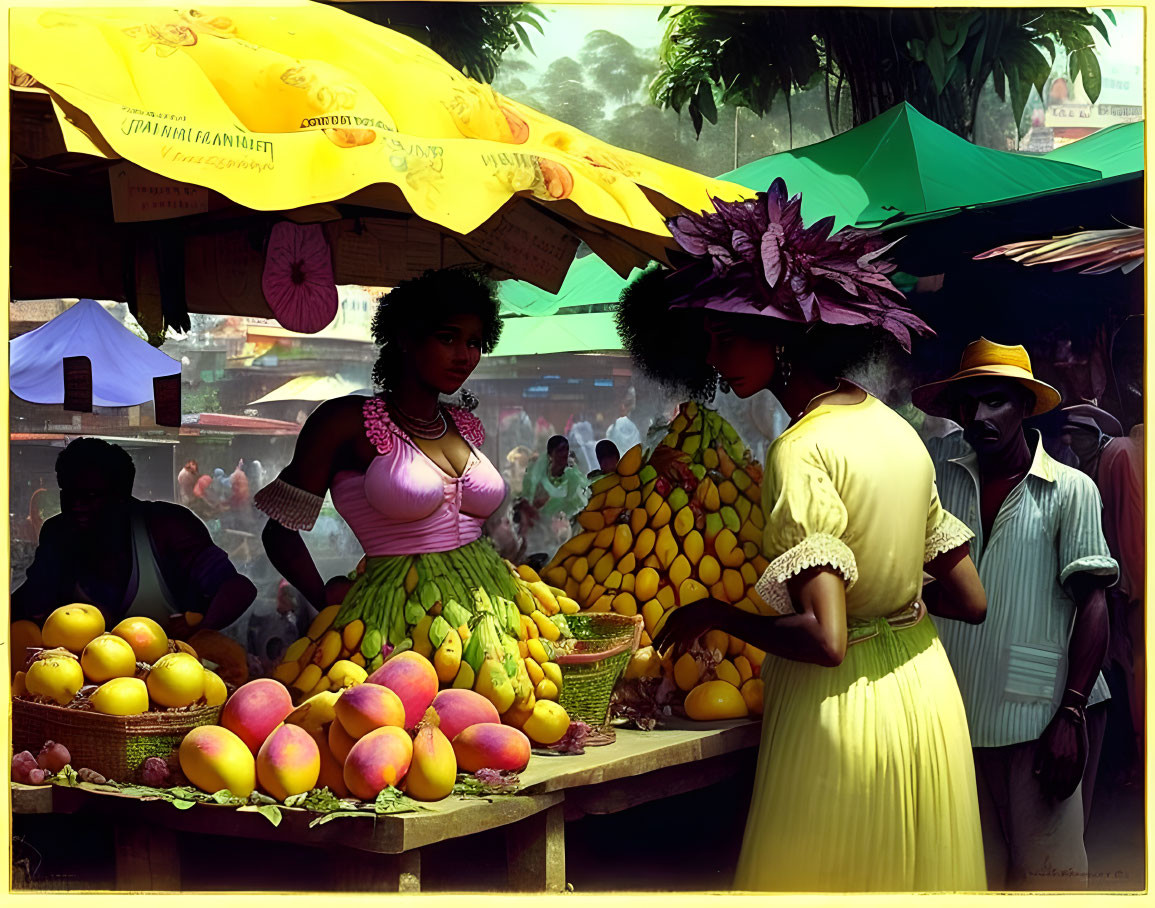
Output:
x=53 y=757
x=155 y=772
x=22 y=764
x=37 y=776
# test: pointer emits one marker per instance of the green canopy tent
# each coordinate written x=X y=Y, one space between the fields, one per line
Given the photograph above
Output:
x=900 y=164
x=1115 y=151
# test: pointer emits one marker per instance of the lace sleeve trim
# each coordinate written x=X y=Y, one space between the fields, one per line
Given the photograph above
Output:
x=379 y=428
x=292 y=508
x=468 y=425
x=949 y=534
x=818 y=550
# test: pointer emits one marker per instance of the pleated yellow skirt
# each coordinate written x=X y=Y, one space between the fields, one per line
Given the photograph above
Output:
x=865 y=777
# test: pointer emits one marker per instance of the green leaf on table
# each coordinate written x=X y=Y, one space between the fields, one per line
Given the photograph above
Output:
x=338 y=814
x=270 y=812
x=392 y=800
x=182 y=804
x=454 y=613
x=438 y=630
x=297 y=800
x=224 y=796
x=259 y=798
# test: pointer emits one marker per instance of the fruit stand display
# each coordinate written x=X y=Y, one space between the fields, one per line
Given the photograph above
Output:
x=684 y=525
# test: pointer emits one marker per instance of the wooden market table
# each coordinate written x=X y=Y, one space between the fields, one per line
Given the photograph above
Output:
x=637 y=768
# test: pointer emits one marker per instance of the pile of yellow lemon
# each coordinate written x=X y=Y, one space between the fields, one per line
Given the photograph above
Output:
x=135 y=665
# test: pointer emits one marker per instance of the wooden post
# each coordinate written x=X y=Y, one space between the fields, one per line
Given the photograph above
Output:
x=535 y=851
x=147 y=858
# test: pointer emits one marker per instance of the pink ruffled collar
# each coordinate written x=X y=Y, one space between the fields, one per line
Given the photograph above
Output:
x=383 y=432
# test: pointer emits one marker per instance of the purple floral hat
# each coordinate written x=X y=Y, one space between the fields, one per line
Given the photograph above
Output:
x=756 y=257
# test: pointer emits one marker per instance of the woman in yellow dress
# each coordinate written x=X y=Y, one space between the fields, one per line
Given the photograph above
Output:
x=865 y=779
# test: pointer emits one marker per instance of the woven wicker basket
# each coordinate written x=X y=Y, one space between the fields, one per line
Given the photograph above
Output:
x=114 y=746
x=605 y=643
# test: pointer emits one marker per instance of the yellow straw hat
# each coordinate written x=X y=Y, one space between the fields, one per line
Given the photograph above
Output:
x=986 y=359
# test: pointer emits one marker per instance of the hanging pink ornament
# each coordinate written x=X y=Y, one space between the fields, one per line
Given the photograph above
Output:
x=298 y=279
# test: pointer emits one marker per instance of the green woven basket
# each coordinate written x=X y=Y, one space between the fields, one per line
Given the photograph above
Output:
x=605 y=641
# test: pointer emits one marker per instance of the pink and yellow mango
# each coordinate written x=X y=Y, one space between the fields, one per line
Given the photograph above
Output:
x=490 y=745
x=213 y=758
x=331 y=774
x=433 y=771
x=340 y=741
x=378 y=760
x=363 y=707
x=288 y=763
x=414 y=679
x=458 y=708
x=255 y=709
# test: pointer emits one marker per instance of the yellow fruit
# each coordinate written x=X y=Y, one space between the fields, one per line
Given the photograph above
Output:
x=666 y=596
x=748 y=573
x=687 y=672
x=644 y=543
x=597 y=502
x=605 y=537
x=308 y=678
x=691 y=591
x=534 y=670
x=747 y=606
x=709 y=571
x=548 y=723
x=623 y=540
x=605 y=483
x=215 y=691
x=694 y=546
x=752 y=692
x=616 y=497
x=638 y=518
x=526 y=573
x=447 y=659
x=548 y=629
x=727 y=549
x=627 y=563
x=147 y=638
x=537 y=651
x=568 y=605
x=652 y=611
x=646 y=584
x=726 y=671
x=176 y=680
x=287 y=672
x=358 y=659
x=344 y=673
x=19 y=688
x=604 y=567
x=743 y=507
x=666 y=547
x=708 y=494
x=652 y=562
x=553 y=673
x=756 y=657
x=736 y=646
x=750 y=533
x=328 y=648
x=684 y=521
x=545 y=597
x=411 y=579
x=661 y=516
x=614 y=580
x=679 y=570
x=745 y=672
x=555 y=575
x=73 y=626
x=591 y=520
x=584 y=588
x=718 y=591
x=307 y=655
x=710 y=459
x=545 y=690
x=578 y=545
x=465 y=677
x=728 y=492
x=735 y=585
x=717 y=641
x=714 y=700
x=123 y=697
x=495 y=685
x=107 y=656
x=643 y=664
x=631 y=483
x=625 y=604
x=630 y=462
x=57 y=677
x=323 y=621
x=296 y=649
x=580 y=569
x=420 y=636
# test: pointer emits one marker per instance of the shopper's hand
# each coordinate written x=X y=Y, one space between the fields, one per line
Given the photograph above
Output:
x=1061 y=756
x=686 y=624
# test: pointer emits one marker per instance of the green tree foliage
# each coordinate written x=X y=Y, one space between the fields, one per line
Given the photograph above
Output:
x=470 y=36
x=564 y=95
x=936 y=59
x=615 y=66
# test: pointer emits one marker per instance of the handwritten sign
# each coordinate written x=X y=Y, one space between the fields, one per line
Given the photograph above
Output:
x=526 y=243
x=382 y=252
x=140 y=195
x=78 y=384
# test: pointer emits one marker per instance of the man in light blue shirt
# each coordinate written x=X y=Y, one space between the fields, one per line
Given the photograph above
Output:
x=1030 y=675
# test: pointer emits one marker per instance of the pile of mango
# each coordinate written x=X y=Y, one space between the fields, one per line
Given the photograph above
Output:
x=391 y=728
x=468 y=650
x=683 y=526
x=132 y=669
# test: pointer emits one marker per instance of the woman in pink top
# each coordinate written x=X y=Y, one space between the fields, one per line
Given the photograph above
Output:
x=405 y=472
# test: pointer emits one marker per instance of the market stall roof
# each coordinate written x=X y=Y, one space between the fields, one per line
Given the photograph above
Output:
x=228 y=423
x=899 y=163
x=310 y=387
x=123 y=365
x=314 y=113
x=565 y=332
x=1114 y=151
